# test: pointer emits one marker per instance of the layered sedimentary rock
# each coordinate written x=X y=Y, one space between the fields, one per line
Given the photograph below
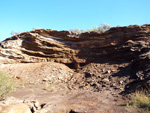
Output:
x=45 y=45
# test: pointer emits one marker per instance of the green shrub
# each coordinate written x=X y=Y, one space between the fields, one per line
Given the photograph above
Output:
x=141 y=100
x=6 y=85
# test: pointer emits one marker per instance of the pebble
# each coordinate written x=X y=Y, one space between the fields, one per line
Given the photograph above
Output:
x=105 y=80
x=108 y=71
x=121 y=81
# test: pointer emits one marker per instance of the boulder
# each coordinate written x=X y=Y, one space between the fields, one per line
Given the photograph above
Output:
x=16 y=108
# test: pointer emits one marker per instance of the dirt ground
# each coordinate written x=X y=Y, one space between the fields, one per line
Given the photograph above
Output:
x=55 y=88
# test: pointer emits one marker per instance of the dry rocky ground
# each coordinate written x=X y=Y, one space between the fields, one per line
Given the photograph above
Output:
x=64 y=72
x=54 y=88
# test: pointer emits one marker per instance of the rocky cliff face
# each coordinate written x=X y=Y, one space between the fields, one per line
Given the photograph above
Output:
x=45 y=45
x=118 y=63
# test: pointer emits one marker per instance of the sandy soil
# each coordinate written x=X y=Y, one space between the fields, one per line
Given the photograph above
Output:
x=56 y=88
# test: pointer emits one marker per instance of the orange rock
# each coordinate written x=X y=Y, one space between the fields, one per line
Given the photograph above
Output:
x=19 y=77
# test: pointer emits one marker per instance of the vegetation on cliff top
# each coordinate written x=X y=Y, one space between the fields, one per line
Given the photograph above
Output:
x=100 y=29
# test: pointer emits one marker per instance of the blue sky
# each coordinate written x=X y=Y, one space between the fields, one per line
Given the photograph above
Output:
x=23 y=15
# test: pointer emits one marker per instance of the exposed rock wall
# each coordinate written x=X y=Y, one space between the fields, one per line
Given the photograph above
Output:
x=45 y=45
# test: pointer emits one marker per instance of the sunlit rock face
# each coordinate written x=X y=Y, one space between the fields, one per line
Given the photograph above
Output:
x=46 y=45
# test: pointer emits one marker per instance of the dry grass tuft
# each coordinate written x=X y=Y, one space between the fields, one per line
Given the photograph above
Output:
x=6 y=85
x=141 y=100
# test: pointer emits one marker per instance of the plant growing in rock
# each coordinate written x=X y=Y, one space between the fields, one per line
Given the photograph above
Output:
x=13 y=33
x=102 y=28
x=6 y=85
x=78 y=31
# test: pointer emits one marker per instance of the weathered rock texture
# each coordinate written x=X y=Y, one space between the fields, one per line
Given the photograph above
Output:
x=118 y=62
x=16 y=108
x=120 y=43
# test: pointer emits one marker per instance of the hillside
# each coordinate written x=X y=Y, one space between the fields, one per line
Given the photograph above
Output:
x=66 y=72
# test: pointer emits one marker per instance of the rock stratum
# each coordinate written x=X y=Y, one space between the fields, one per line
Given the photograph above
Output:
x=67 y=72
x=119 y=45
x=45 y=45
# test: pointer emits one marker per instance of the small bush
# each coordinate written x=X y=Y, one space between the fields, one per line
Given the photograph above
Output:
x=13 y=33
x=77 y=31
x=102 y=28
x=6 y=85
x=141 y=100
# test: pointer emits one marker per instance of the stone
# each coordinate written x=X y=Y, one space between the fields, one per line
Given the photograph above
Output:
x=121 y=81
x=108 y=71
x=105 y=80
x=16 y=108
x=37 y=105
x=19 y=77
